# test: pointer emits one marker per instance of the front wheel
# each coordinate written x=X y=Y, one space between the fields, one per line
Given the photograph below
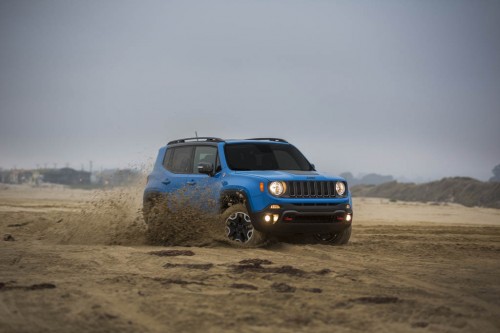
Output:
x=340 y=238
x=239 y=228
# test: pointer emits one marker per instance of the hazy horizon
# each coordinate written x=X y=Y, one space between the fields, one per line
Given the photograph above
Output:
x=409 y=89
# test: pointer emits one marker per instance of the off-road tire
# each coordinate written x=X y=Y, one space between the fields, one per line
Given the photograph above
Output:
x=154 y=218
x=152 y=204
x=340 y=238
x=257 y=239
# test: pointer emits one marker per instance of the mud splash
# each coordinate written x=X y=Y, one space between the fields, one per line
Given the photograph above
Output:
x=116 y=217
x=184 y=219
x=111 y=217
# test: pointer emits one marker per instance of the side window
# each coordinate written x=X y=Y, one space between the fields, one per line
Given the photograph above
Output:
x=167 y=161
x=207 y=154
x=181 y=160
x=218 y=167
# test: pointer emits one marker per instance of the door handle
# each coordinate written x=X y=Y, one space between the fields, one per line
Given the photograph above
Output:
x=166 y=181
x=191 y=182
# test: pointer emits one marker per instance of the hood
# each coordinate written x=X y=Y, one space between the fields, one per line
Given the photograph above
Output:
x=288 y=175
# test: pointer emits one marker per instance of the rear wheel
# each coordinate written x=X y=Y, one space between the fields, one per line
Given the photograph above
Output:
x=155 y=211
x=152 y=206
x=239 y=228
x=340 y=238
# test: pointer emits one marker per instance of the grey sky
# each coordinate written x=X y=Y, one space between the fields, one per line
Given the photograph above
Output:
x=408 y=88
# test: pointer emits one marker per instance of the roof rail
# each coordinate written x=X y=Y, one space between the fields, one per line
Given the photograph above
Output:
x=270 y=139
x=200 y=138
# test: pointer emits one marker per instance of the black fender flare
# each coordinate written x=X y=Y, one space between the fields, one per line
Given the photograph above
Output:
x=232 y=197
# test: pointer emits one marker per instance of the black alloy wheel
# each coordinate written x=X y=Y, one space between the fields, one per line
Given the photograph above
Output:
x=239 y=227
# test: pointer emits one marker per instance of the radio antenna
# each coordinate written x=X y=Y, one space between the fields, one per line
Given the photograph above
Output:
x=196 y=134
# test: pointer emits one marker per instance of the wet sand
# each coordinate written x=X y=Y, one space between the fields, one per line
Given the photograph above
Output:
x=79 y=263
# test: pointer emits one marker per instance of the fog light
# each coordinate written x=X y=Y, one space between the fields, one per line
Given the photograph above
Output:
x=275 y=207
x=267 y=218
x=275 y=218
x=348 y=218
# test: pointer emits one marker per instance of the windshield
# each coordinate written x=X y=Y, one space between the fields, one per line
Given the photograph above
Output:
x=265 y=156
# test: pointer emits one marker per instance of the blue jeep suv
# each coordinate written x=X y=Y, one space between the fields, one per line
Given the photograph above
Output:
x=262 y=187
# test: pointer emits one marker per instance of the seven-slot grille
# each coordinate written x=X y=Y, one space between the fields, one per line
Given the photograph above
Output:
x=311 y=189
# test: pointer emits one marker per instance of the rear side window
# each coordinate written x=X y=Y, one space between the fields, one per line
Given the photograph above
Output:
x=178 y=160
x=168 y=158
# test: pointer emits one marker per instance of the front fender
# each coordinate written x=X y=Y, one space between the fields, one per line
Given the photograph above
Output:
x=250 y=188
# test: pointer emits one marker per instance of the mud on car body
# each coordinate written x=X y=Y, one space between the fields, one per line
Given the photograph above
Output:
x=262 y=187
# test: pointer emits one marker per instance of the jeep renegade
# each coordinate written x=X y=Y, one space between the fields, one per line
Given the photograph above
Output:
x=262 y=187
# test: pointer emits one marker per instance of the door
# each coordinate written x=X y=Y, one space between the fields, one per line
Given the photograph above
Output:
x=204 y=188
x=178 y=164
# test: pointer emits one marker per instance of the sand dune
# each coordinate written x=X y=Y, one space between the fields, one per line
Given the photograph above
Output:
x=79 y=262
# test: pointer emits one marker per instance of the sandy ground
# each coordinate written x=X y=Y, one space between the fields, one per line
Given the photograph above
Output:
x=79 y=263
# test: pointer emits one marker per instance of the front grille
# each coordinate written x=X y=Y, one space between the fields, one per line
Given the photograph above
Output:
x=311 y=189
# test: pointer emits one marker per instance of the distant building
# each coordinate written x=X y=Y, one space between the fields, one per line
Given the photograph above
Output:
x=69 y=176
x=116 y=177
x=66 y=176
x=3 y=176
x=16 y=176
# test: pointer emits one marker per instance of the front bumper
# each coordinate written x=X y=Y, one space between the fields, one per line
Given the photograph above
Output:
x=303 y=218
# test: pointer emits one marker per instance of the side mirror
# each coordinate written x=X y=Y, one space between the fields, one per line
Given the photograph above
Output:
x=313 y=167
x=205 y=168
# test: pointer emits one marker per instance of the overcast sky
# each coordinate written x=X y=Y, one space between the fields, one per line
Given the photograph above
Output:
x=407 y=88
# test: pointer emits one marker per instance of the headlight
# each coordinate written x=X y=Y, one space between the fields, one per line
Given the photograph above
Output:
x=340 y=188
x=277 y=188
